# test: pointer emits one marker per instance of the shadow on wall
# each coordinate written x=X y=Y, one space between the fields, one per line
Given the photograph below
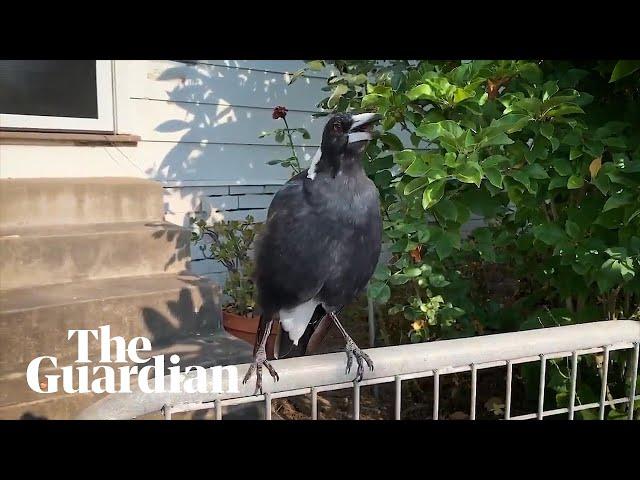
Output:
x=212 y=130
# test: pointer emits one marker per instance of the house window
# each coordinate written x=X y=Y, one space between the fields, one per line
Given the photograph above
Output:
x=56 y=95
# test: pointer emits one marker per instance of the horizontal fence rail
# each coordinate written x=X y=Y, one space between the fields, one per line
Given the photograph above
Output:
x=319 y=373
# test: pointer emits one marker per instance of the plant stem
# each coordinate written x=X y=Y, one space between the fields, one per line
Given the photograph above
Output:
x=297 y=168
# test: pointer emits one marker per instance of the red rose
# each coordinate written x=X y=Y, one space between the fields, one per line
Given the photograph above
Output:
x=279 y=112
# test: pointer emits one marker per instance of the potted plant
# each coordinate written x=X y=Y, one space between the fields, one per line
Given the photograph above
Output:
x=230 y=242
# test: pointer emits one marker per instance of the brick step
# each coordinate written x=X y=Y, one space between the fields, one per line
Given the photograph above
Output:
x=34 y=321
x=64 y=201
x=44 y=255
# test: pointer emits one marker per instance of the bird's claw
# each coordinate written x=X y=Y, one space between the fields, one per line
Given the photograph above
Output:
x=352 y=350
x=260 y=360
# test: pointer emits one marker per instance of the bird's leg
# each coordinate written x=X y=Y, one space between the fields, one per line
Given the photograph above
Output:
x=352 y=350
x=260 y=359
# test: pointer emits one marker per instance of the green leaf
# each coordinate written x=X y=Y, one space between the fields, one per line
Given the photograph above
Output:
x=415 y=184
x=305 y=133
x=511 y=123
x=432 y=194
x=399 y=279
x=412 y=272
x=549 y=234
x=494 y=176
x=421 y=91
x=432 y=131
x=446 y=209
x=316 y=65
x=373 y=100
x=496 y=161
x=470 y=172
x=618 y=200
x=338 y=92
x=522 y=177
x=499 y=138
x=279 y=136
x=435 y=173
x=562 y=166
x=550 y=88
x=619 y=253
x=404 y=158
x=624 y=68
x=438 y=280
x=575 y=152
x=557 y=182
x=536 y=171
x=417 y=168
x=573 y=229
x=382 y=272
x=575 y=181
x=564 y=110
x=392 y=141
x=546 y=130
x=379 y=292
x=462 y=94
x=297 y=74
x=451 y=159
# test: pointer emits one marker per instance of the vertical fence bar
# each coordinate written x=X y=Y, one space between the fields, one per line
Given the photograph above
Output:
x=634 y=379
x=574 y=376
x=166 y=411
x=474 y=381
x=398 y=405
x=436 y=394
x=314 y=403
x=507 y=401
x=267 y=406
x=543 y=372
x=603 y=388
x=372 y=335
x=218 y=407
x=372 y=323
x=356 y=401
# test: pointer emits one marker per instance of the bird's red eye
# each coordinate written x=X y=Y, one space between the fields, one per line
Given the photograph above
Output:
x=337 y=127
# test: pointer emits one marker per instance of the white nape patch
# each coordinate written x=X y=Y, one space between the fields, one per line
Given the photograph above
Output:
x=295 y=321
x=359 y=137
x=314 y=161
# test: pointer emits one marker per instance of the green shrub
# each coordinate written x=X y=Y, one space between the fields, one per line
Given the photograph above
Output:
x=548 y=152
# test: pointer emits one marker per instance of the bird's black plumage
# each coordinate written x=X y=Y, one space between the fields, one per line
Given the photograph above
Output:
x=322 y=237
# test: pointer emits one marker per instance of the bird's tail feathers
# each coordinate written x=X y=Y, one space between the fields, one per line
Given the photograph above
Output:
x=285 y=348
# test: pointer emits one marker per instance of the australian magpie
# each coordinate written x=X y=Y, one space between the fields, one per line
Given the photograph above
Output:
x=320 y=245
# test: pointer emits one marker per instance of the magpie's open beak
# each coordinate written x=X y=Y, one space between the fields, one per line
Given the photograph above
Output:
x=361 y=127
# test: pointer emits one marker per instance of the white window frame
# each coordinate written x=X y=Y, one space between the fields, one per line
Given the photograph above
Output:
x=104 y=122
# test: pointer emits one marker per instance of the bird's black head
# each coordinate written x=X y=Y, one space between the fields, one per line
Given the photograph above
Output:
x=345 y=138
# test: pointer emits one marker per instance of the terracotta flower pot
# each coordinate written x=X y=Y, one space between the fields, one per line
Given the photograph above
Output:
x=246 y=327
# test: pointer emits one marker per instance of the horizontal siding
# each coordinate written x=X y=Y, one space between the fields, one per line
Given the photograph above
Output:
x=192 y=122
x=275 y=66
x=220 y=85
x=218 y=164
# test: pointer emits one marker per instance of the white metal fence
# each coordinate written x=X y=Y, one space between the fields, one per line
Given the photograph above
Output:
x=393 y=365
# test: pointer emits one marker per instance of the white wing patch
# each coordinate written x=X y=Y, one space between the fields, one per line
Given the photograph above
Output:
x=295 y=321
x=314 y=161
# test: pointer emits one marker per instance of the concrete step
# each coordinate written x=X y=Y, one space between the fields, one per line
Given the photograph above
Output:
x=47 y=201
x=17 y=400
x=34 y=321
x=43 y=255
